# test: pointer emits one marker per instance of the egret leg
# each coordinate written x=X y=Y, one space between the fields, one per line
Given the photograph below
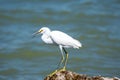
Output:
x=62 y=59
x=66 y=59
x=65 y=62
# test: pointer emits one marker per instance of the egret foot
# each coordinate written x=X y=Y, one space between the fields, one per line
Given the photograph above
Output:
x=51 y=74
x=63 y=69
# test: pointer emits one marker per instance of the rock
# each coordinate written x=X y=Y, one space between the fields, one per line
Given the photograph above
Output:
x=69 y=75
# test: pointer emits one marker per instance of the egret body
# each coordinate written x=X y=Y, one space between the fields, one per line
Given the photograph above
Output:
x=60 y=39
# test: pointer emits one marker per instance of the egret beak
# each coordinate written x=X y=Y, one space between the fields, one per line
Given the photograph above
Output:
x=36 y=33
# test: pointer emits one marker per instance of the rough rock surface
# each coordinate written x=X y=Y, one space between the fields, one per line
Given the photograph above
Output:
x=68 y=75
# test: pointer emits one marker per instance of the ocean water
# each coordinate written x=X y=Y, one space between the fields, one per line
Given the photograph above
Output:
x=95 y=23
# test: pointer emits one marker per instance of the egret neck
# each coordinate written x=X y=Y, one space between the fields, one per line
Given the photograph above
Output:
x=46 y=37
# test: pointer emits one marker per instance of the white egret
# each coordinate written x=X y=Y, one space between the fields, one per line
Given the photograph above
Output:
x=60 y=39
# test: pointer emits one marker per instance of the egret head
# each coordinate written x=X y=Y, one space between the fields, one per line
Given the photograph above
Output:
x=42 y=31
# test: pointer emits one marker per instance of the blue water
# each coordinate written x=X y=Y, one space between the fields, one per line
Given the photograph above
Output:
x=95 y=23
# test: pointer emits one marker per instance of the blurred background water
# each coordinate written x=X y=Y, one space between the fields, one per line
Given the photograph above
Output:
x=96 y=23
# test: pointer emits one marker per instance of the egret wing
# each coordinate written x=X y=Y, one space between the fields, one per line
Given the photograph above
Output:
x=63 y=39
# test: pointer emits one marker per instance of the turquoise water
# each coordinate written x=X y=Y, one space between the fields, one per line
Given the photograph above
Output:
x=95 y=23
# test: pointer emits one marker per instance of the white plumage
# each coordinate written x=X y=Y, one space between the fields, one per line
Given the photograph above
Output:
x=64 y=40
x=59 y=38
